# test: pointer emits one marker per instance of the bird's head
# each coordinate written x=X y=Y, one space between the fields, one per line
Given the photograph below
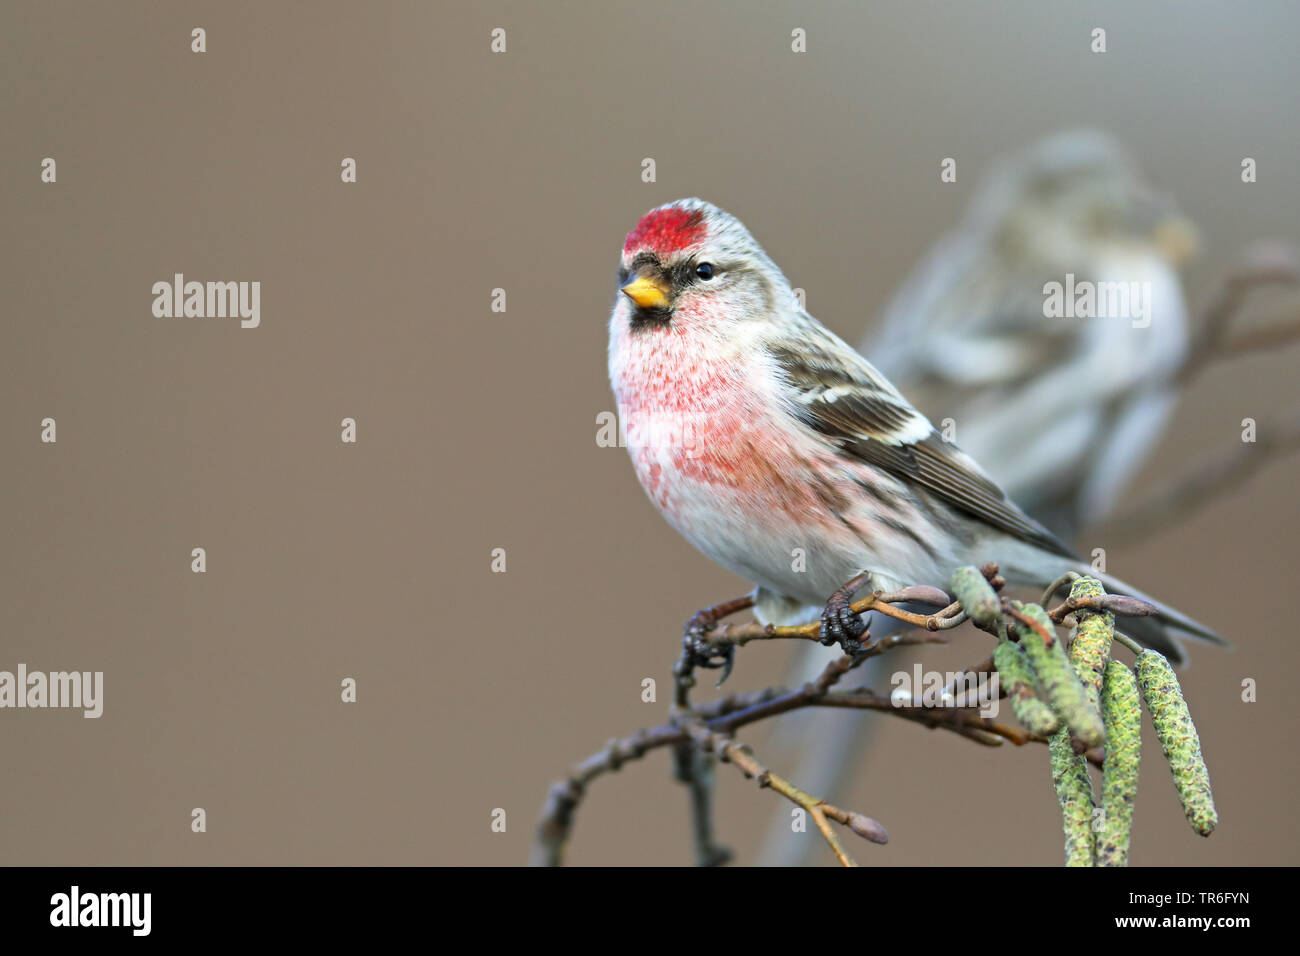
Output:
x=690 y=266
x=1079 y=188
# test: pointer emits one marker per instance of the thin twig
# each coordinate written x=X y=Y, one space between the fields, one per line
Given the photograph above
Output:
x=1056 y=585
x=1272 y=440
x=711 y=740
x=738 y=635
x=743 y=757
x=1261 y=340
x=693 y=767
x=1265 y=264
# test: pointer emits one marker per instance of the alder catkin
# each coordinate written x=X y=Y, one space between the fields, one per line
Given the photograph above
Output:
x=1092 y=637
x=1178 y=739
x=977 y=596
x=1017 y=678
x=1122 y=713
x=1057 y=680
x=1074 y=791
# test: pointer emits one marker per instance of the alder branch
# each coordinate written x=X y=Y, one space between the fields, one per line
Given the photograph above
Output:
x=951 y=615
x=1262 y=265
x=1273 y=439
x=821 y=812
x=1265 y=264
x=710 y=728
x=710 y=740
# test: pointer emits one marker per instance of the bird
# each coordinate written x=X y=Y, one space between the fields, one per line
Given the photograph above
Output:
x=1061 y=412
x=782 y=454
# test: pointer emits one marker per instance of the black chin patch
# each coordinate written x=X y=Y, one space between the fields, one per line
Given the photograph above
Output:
x=643 y=319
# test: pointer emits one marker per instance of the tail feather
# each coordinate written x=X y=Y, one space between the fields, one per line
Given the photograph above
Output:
x=1160 y=632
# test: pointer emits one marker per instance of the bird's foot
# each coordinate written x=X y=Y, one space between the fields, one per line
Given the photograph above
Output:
x=705 y=655
x=699 y=650
x=840 y=623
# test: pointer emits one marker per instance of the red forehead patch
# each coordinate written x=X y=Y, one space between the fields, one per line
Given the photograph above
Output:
x=666 y=231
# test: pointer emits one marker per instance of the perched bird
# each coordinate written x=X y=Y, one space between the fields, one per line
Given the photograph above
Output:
x=782 y=454
x=1061 y=411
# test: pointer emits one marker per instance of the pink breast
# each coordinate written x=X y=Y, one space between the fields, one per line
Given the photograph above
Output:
x=708 y=441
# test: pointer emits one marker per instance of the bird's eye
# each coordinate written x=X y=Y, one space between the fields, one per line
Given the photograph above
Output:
x=704 y=270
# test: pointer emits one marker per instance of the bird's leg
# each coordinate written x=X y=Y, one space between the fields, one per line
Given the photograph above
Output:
x=701 y=652
x=840 y=625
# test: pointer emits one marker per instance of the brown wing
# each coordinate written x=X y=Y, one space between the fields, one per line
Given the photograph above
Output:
x=839 y=394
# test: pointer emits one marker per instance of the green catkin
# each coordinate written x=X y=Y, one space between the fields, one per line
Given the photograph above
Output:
x=1017 y=678
x=1178 y=739
x=1074 y=791
x=977 y=596
x=1057 y=679
x=1091 y=645
x=1122 y=714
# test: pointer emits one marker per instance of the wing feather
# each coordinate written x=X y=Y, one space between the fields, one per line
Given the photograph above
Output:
x=838 y=393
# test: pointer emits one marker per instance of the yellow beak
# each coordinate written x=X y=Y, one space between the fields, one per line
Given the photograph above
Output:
x=1177 y=239
x=647 y=293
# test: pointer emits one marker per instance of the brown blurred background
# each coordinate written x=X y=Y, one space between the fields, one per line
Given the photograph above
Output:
x=477 y=429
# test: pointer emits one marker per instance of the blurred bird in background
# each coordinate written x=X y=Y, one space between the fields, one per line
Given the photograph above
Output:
x=1061 y=412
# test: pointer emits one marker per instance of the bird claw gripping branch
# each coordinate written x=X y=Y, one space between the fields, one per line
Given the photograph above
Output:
x=705 y=655
x=840 y=623
x=700 y=652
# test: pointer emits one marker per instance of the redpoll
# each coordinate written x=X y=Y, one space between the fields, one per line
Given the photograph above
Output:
x=782 y=454
x=1061 y=410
